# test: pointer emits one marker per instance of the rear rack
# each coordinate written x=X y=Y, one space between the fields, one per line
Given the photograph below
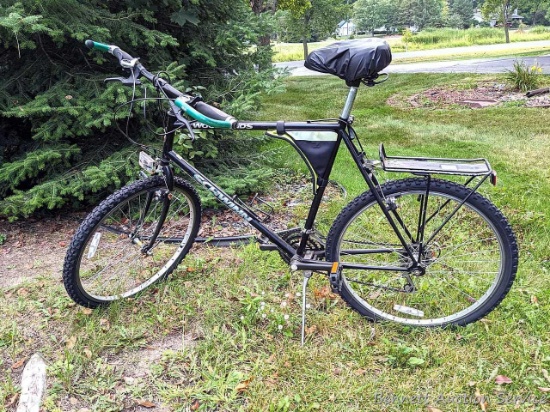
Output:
x=428 y=165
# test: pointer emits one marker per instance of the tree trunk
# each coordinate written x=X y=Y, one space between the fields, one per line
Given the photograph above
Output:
x=505 y=21
x=535 y=14
x=264 y=42
x=306 y=32
x=264 y=52
x=256 y=6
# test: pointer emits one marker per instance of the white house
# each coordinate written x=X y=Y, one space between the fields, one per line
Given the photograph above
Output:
x=345 y=28
x=478 y=16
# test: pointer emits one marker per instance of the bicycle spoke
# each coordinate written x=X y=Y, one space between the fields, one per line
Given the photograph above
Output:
x=117 y=266
x=461 y=264
x=470 y=298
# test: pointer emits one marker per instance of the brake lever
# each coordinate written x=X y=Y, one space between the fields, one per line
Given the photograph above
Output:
x=133 y=79
x=130 y=81
x=181 y=121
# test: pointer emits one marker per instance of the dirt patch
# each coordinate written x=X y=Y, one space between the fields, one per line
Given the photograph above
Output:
x=35 y=248
x=475 y=96
x=139 y=363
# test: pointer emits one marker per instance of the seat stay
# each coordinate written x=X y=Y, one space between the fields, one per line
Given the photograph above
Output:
x=366 y=173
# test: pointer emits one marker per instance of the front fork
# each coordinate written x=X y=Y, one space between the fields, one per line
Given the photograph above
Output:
x=166 y=198
x=168 y=176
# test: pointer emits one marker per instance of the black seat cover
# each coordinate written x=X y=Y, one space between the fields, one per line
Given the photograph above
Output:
x=351 y=60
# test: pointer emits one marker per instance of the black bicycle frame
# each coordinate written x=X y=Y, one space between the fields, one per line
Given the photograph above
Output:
x=341 y=128
x=247 y=215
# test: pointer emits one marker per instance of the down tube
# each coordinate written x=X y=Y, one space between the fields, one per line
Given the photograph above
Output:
x=227 y=201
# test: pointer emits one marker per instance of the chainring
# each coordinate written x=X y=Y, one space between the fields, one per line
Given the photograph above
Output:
x=314 y=243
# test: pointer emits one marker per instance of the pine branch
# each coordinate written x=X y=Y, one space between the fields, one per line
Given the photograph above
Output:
x=38 y=162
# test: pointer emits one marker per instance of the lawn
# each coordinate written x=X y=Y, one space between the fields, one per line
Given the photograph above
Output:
x=433 y=39
x=200 y=342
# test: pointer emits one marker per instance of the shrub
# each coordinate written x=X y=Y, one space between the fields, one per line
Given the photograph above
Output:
x=407 y=37
x=524 y=78
x=540 y=30
x=59 y=146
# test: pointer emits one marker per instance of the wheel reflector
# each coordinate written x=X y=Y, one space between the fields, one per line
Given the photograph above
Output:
x=408 y=311
x=93 y=245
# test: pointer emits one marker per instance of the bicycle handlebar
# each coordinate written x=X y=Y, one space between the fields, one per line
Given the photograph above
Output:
x=114 y=50
x=191 y=106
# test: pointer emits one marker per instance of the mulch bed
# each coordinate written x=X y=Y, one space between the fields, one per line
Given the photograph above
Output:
x=476 y=96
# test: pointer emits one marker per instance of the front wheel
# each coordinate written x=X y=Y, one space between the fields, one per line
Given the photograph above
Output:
x=468 y=260
x=115 y=254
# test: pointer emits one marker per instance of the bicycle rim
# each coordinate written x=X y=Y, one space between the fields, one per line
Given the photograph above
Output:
x=466 y=262
x=113 y=265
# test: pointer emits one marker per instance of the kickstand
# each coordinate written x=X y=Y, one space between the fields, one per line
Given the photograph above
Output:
x=307 y=276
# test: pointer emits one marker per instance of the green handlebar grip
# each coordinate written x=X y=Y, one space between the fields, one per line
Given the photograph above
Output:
x=218 y=124
x=98 y=46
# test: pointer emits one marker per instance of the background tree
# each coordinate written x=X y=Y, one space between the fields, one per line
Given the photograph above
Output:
x=426 y=13
x=58 y=143
x=535 y=11
x=369 y=15
x=400 y=14
x=417 y=13
x=313 y=19
x=502 y=9
x=463 y=12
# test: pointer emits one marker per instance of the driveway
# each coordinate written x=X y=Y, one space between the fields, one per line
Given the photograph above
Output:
x=489 y=65
x=498 y=65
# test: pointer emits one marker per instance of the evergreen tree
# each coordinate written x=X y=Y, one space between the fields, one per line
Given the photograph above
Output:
x=463 y=10
x=371 y=14
x=58 y=143
x=264 y=11
x=418 y=13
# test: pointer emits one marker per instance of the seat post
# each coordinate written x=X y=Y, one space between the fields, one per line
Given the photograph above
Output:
x=349 y=102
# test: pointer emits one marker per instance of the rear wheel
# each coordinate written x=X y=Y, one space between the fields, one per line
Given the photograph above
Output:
x=110 y=256
x=467 y=264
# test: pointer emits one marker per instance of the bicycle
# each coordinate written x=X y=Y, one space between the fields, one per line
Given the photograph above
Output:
x=419 y=251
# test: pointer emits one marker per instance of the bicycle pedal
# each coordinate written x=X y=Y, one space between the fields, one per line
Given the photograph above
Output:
x=335 y=277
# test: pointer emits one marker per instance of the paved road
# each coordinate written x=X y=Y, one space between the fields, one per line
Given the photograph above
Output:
x=499 y=65
x=491 y=65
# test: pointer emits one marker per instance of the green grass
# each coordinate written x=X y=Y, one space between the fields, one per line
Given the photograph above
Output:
x=427 y=40
x=286 y=52
x=223 y=355
x=439 y=38
x=521 y=52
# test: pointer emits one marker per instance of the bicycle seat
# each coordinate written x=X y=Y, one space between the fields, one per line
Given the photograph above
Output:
x=351 y=60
